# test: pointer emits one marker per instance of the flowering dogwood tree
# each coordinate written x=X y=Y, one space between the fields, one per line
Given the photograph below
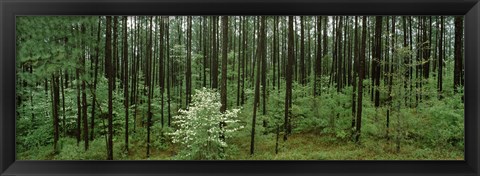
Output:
x=198 y=128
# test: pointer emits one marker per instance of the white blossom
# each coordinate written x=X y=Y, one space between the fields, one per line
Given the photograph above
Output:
x=198 y=128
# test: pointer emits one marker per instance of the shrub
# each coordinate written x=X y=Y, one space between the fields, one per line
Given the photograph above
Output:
x=198 y=128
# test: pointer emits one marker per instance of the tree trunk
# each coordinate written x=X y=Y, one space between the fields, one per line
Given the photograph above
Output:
x=318 y=61
x=125 y=77
x=161 y=68
x=440 y=59
x=260 y=55
x=274 y=50
x=214 y=71
x=405 y=61
x=223 y=94
x=169 y=77
x=289 y=69
x=149 y=85
x=457 y=73
x=244 y=60
x=223 y=88
x=56 y=101
x=355 y=72
x=390 y=77
x=378 y=55
x=240 y=60
x=264 y=72
x=205 y=51
x=115 y=51
x=360 y=81
x=79 y=106
x=63 y=106
x=188 y=73
x=108 y=62
x=95 y=75
x=84 y=93
x=302 y=51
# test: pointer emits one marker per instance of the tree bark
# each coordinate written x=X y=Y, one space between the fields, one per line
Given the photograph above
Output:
x=95 y=76
x=108 y=62
x=355 y=72
x=55 y=102
x=318 y=61
x=302 y=51
x=188 y=91
x=360 y=81
x=149 y=85
x=289 y=69
x=214 y=71
x=378 y=55
x=457 y=73
x=84 y=93
x=223 y=91
x=125 y=77
x=260 y=55
x=440 y=59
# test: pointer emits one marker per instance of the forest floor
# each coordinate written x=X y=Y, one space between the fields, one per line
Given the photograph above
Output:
x=299 y=146
x=314 y=146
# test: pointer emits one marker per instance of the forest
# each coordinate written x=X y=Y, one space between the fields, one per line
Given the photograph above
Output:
x=239 y=88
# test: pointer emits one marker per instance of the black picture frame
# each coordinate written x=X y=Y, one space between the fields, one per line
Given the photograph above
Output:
x=9 y=9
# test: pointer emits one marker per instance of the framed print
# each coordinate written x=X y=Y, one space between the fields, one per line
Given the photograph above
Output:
x=239 y=87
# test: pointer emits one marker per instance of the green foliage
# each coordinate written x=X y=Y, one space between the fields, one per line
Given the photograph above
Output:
x=431 y=127
x=161 y=140
x=34 y=128
x=327 y=113
x=445 y=117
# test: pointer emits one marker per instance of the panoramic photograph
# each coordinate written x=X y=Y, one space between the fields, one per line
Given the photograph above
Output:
x=240 y=88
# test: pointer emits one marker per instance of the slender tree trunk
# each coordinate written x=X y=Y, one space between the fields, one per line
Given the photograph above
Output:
x=63 y=106
x=264 y=74
x=405 y=61
x=169 y=76
x=84 y=93
x=125 y=77
x=205 y=51
x=338 y=55
x=108 y=62
x=355 y=72
x=223 y=86
x=240 y=60
x=223 y=94
x=440 y=59
x=56 y=101
x=95 y=75
x=188 y=87
x=410 y=72
x=244 y=60
x=260 y=55
x=214 y=71
x=79 y=106
x=149 y=85
x=274 y=50
x=115 y=51
x=390 y=77
x=318 y=61
x=161 y=69
x=360 y=81
x=289 y=69
x=325 y=39
x=378 y=55
x=457 y=73
x=279 y=59
x=302 y=51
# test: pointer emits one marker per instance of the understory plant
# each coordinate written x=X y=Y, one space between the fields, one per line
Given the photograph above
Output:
x=198 y=129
